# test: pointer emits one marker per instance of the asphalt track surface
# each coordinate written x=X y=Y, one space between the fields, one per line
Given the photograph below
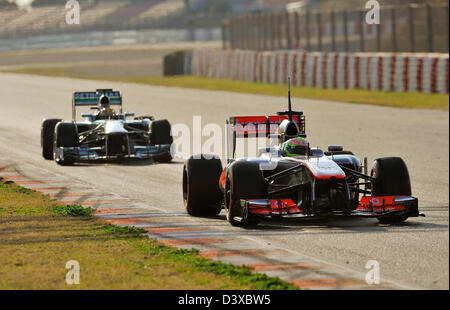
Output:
x=413 y=255
x=104 y=61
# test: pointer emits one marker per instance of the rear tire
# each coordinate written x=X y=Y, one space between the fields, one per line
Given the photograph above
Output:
x=160 y=132
x=48 y=137
x=244 y=181
x=66 y=135
x=201 y=193
x=391 y=179
x=140 y=118
x=339 y=153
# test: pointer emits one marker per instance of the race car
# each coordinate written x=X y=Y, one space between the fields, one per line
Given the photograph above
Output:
x=292 y=180
x=106 y=134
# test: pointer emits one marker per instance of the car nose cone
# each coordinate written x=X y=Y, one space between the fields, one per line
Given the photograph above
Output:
x=114 y=127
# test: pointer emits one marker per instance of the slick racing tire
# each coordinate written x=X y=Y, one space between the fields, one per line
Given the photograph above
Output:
x=66 y=135
x=140 y=118
x=391 y=178
x=244 y=181
x=164 y=158
x=160 y=132
x=48 y=137
x=201 y=193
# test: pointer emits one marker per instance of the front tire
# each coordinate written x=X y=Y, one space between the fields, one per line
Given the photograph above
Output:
x=391 y=179
x=66 y=135
x=48 y=137
x=201 y=193
x=160 y=132
x=165 y=158
x=244 y=181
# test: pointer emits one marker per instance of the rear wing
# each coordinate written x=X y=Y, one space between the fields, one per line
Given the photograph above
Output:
x=91 y=98
x=258 y=127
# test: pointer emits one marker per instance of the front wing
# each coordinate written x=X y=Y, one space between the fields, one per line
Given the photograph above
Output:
x=97 y=153
x=369 y=206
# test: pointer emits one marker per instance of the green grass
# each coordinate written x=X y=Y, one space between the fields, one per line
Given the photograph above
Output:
x=16 y=189
x=391 y=99
x=39 y=235
x=72 y=210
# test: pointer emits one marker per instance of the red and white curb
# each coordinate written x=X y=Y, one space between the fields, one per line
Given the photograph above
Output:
x=212 y=237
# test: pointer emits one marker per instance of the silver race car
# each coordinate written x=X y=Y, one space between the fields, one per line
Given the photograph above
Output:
x=105 y=135
x=293 y=180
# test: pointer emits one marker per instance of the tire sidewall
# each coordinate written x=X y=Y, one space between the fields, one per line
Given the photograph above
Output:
x=201 y=192
x=66 y=135
x=244 y=181
x=391 y=178
x=161 y=132
x=48 y=137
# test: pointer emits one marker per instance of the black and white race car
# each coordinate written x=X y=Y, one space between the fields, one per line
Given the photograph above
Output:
x=105 y=135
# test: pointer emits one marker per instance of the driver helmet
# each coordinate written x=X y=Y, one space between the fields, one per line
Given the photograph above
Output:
x=296 y=147
x=105 y=107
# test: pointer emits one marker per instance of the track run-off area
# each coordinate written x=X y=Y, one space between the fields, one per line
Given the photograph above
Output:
x=313 y=254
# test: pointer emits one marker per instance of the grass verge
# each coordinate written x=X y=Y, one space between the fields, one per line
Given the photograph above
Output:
x=392 y=99
x=39 y=235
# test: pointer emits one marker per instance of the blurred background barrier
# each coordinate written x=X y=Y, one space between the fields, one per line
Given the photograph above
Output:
x=411 y=26
x=44 y=17
x=107 y=38
x=321 y=43
x=178 y=63
x=400 y=72
x=42 y=23
x=312 y=25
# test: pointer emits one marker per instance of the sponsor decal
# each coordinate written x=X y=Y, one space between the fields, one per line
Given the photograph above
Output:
x=91 y=98
x=375 y=201
x=248 y=125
